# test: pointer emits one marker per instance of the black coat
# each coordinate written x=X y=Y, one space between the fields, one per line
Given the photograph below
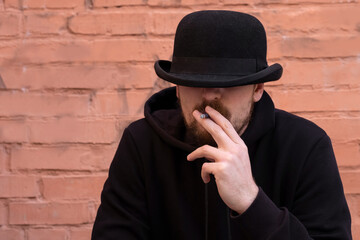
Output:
x=153 y=192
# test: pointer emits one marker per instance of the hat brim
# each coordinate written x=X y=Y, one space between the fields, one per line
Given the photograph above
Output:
x=162 y=69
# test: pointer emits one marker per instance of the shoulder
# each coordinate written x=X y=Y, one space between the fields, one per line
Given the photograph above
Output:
x=298 y=132
x=285 y=121
x=139 y=129
x=143 y=134
x=138 y=124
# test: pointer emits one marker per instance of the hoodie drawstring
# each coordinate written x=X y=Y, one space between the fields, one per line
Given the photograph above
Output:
x=228 y=221
x=207 y=215
x=206 y=212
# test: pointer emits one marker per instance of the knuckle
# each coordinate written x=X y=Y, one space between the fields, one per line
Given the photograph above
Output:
x=204 y=149
x=228 y=157
x=241 y=148
x=213 y=128
x=238 y=151
x=241 y=153
x=223 y=167
x=227 y=125
x=205 y=166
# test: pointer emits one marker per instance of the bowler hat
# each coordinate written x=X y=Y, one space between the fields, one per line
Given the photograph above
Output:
x=218 y=49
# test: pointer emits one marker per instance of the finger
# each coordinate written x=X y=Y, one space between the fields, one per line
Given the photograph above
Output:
x=206 y=151
x=207 y=169
x=224 y=123
x=220 y=137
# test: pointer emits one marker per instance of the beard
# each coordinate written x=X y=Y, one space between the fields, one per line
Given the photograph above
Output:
x=200 y=136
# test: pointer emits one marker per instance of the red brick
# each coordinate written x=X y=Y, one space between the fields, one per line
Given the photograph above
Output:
x=44 y=23
x=33 y=4
x=198 y=2
x=355 y=229
x=115 y=50
x=7 y=53
x=340 y=129
x=80 y=233
x=73 y=130
x=43 y=234
x=141 y=76
x=54 y=4
x=40 y=104
x=73 y=188
x=347 y=154
x=317 y=100
x=175 y=3
x=121 y=103
x=315 y=46
x=171 y=19
x=113 y=103
x=9 y=24
x=49 y=213
x=167 y=3
x=109 y=23
x=136 y=101
x=351 y=180
x=3 y=214
x=342 y=73
x=120 y=76
x=319 y=73
x=18 y=186
x=355 y=223
x=11 y=3
x=13 y=131
x=62 y=158
x=64 y=3
x=319 y=1
x=11 y=234
x=353 y=201
x=4 y=157
x=317 y=18
x=94 y=206
x=117 y=3
x=290 y=2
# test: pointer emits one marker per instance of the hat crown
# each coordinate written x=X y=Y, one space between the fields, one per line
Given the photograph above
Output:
x=221 y=34
x=218 y=49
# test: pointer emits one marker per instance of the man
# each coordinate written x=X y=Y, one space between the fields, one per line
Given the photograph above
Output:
x=268 y=174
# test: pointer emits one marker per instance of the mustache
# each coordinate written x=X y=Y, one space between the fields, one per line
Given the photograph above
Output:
x=215 y=104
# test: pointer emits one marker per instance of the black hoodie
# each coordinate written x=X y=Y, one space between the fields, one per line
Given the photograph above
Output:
x=153 y=192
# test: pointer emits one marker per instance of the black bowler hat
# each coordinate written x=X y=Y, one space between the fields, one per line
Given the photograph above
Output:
x=218 y=49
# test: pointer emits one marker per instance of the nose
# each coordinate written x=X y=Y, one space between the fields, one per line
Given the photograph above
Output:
x=211 y=93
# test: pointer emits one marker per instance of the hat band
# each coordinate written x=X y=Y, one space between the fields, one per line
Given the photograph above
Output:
x=218 y=66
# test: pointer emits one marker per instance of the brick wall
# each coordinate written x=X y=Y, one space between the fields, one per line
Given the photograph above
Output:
x=76 y=72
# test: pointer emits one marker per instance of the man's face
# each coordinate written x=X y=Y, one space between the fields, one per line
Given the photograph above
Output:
x=234 y=103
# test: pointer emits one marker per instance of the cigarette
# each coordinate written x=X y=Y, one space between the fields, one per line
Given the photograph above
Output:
x=204 y=115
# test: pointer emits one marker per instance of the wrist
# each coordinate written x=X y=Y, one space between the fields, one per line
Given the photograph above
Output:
x=248 y=200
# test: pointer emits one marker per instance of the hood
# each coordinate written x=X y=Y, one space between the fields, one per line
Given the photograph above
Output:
x=163 y=113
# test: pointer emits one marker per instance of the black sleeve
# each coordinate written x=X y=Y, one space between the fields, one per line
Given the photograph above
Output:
x=319 y=211
x=123 y=213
